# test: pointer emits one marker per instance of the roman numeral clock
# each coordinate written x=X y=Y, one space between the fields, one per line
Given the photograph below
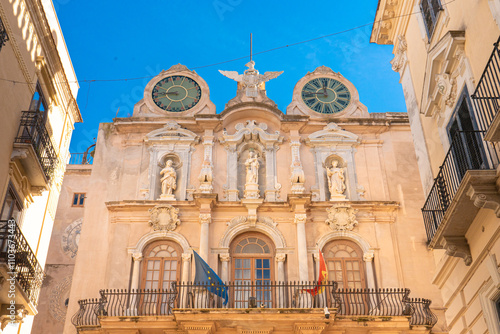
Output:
x=324 y=93
x=177 y=91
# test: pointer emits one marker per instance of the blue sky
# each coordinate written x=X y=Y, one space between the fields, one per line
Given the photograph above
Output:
x=128 y=39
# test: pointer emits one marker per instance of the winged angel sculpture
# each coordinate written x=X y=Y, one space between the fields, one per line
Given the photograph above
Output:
x=250 y=79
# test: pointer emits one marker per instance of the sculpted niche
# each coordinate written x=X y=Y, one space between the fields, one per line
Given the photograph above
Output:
x=333 y=149
x=251 y=162
x=170 y=150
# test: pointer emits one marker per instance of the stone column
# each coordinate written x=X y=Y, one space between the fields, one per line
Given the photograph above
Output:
x=370 y=278
x=224 y=274
x=205 y=219
x=135 y=284
x=186 y=266
x=300 y=221
x=136 y=271
x=280 y=259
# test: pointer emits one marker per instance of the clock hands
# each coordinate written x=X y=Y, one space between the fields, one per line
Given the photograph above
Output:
x=171 y=93
x=324 y=93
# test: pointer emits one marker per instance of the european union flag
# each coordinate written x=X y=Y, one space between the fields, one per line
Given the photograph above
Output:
x=206 y=276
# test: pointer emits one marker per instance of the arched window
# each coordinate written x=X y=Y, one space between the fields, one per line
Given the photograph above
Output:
x=162 y=262
x=253 y=269
x=344 y=260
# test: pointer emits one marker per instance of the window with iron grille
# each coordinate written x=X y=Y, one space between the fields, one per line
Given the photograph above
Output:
x=78 y=199
x=430 y=10
x=38 y=101
x=12 y=206
x=3 y=35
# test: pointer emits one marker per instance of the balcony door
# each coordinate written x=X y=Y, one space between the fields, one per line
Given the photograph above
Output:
x=161 y=268
x=344 y=261
x=466 y=141
x=253 y=270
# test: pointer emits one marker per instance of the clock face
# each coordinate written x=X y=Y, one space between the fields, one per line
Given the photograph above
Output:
x=176 y=93
x=326 y=96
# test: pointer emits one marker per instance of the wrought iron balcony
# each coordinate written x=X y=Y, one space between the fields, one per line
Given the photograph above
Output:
x=85 y=158
x=20 y=260
x=468 y=151
x=32 y=131
x=248 y=295
x=486 y=97
x=81 y=159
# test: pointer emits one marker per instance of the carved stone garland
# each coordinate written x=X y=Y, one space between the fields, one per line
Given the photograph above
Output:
x=251 y=132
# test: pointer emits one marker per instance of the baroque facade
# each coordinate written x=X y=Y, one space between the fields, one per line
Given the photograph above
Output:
x=38 y=90
x=256 y=193
x=447 y=56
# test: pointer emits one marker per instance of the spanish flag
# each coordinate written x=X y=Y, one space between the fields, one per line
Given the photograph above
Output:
x=323 y=277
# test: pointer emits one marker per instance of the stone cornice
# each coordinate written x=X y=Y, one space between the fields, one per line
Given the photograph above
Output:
x=391 y=18
x=53 y=59
x=303 y=123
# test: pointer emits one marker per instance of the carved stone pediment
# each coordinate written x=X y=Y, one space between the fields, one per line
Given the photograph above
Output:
x=342 y=217
x=445 y=63
x=331 y=133
x=171 y=132
x=164 y=218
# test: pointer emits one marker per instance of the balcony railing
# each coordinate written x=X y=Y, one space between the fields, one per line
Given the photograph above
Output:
x=468 y=151
x=486 y=97
x=81 y=159
x=16 y=253
x=349 y=302
x=32 y=131
x=422 y=314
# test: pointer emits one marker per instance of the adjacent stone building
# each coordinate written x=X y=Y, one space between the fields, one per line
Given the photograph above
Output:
x=447 y=55
x=256 y=192
x=38 y=90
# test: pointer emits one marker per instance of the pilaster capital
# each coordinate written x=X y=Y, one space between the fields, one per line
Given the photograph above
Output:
x=280 y=257
x=300 y=218
x=137 y=257
x=186 y=257
x=368 y=256
x=225 y=257
x=205 y=218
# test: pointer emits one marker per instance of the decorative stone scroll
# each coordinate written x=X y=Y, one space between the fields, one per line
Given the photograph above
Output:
x=341 y=217
x=164 y=218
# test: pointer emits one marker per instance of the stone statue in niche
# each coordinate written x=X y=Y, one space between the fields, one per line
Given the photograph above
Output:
x=252 y=165
x=168 y=181
x=252 y=177
x=336 y=181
